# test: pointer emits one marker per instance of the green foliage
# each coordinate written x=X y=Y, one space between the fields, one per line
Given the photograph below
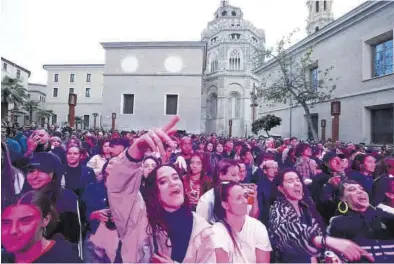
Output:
x=291 y=79
x=266 y=123
x=13 y=92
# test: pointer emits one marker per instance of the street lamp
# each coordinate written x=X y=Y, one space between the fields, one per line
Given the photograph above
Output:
x=113 y=121
x=335 y=113
x=72 y=102
x=254 y=103
x=230 y=126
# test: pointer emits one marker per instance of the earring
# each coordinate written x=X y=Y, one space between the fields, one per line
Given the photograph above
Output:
x=343 y=211
x=44 y=231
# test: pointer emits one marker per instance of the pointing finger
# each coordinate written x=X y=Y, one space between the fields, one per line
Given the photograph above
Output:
x=171 y=124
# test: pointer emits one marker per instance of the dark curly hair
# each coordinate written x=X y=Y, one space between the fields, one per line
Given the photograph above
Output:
x=154 y=208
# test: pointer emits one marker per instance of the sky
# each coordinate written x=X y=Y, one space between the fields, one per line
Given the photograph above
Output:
x=37 y=32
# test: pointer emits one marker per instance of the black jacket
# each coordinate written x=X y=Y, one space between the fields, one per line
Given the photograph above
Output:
x=367 y=229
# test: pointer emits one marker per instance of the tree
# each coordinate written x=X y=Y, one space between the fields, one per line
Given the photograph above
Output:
x=294 y=81
x=12 y=92
x=266 y=123
x=95 y=115
x=30 y=106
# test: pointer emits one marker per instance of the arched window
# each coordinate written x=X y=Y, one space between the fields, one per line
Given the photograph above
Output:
x=316 y=29
x=234 y=13
x=235 y=36
x=213 y=63
x=212 y=106
x=234 y=105
x=224 y=13
x=317 y=6
x=235 y=60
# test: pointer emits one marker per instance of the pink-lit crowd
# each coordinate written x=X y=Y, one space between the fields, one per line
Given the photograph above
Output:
x=165 y=196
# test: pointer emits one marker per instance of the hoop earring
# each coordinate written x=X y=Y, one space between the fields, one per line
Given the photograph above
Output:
x=343 y=211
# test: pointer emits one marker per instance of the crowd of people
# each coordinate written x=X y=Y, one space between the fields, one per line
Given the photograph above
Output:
x=165 y=196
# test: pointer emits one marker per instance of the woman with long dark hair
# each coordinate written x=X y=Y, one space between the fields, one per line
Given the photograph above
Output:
x=237 y=237
x=163 y=229
x=24 y=228
x=296 y=229
x=196 y=181
x=362 y=171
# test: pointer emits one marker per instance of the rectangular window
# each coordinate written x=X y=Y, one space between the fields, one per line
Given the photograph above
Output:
x=88 y=76
x=383 y=58
x=314 y=78
x=86 y=121
x=18 y=74
x=87 y=92
x=55 y=90
x=70 y=90
x=128 y=104
x=56 y=77
x=171 y=104
x=5 y=66
x=54 y=119
x=72 y=76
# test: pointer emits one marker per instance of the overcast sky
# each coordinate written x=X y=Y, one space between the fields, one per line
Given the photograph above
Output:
x=37 y=32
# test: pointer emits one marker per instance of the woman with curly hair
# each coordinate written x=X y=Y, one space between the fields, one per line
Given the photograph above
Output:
x=163 y=229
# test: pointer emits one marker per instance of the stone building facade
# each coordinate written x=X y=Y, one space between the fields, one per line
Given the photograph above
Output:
x=36 y=92
x=145 y=83
x=85 y=80
x=209 y=83
x=234 y=47
x=12 y=70
x=359 y=46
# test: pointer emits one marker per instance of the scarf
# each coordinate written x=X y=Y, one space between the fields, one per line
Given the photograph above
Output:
x=180 y=226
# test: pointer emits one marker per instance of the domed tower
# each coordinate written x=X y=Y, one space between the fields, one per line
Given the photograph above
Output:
x=234 y=47
x=320 y=15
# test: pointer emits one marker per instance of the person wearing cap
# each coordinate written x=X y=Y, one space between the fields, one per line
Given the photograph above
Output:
x=45 y=175
x=325 y=185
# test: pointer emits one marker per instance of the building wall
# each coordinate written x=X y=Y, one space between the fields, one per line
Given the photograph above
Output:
x=349 y=51
x=36 y=92
x=11 y=72
x=150 y=81
x=85 y=105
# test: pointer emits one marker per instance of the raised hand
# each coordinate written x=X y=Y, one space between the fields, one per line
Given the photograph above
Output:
x=154 y=139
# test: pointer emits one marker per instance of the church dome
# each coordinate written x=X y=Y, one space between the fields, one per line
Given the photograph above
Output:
x=228 y=18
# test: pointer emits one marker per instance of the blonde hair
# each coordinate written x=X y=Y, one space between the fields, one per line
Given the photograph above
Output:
x=266 y=163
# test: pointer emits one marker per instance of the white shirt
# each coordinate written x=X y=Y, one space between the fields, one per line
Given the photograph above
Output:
x=205 y=206
x=253 y=235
